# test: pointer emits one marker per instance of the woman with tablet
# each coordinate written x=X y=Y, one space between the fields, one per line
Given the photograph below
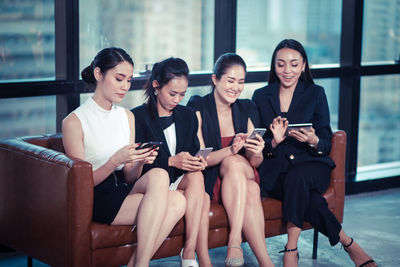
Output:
x=162 y=119
x=225 y=123
x=103 y=134
x=296 y=167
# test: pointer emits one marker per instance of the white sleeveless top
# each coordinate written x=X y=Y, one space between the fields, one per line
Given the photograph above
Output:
x=104 y=131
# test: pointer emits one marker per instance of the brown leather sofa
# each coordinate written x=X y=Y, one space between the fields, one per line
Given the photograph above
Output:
x=46 y=207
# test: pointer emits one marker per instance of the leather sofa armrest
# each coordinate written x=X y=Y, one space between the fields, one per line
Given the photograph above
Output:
x=338 y=178
x=46 y=202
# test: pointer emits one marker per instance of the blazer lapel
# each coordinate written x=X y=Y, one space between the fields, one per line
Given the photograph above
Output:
x=297 y=96
x=179 y=130
x=212 y=109
x=159 y=133
x=274 y=100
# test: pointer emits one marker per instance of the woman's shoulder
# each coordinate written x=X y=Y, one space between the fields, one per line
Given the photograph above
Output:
x=264 y=91
x=139 y=109
x=196 y=102
x=185 y=111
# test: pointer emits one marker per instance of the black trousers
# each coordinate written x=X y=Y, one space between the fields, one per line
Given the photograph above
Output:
x=300 y=190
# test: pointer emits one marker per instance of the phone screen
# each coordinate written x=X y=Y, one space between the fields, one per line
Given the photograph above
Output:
x=204 y=152
x=259 y=131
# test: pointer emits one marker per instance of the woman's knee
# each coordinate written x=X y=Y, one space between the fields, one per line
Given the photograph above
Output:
x=158 y=177
x=235 y=164
x=195 y=179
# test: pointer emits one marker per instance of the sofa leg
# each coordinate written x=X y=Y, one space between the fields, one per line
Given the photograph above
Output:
x=29 y=261
x=315 y=245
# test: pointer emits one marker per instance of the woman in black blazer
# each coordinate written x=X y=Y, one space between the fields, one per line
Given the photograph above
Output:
x=225 y=122
x=296 y=167
x=163 y=119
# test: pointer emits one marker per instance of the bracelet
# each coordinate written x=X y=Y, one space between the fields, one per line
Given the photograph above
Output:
x=316 y=143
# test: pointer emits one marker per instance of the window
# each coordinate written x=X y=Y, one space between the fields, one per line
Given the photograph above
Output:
x=379 y=125
x=149 y=31
x=27 y=40
x=262 y=24
x=381 y=31
x=27 y=116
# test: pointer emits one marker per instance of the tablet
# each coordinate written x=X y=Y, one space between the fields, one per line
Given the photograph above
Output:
x=296 y=126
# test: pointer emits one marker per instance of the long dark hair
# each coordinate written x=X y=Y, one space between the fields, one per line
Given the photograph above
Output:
x=105 y=60
x=295 y=45
x=163 y=72
x=224 y=62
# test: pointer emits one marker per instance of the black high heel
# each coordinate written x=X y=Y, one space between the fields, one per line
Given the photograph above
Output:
x=351 y=243
x=290 y=250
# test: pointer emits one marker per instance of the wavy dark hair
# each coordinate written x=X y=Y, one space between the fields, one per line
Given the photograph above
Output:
x=295 y=45
x=224 y=62
x=163 y=72
x=105 y=60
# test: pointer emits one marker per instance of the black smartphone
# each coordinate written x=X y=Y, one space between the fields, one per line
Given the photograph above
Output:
x=152 y=144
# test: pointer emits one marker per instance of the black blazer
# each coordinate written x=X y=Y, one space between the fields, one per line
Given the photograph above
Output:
x=308 y=104
x=242 y=110
x=148 y=129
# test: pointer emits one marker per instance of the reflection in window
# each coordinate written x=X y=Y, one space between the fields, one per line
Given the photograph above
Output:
x=381 y=31
x=149 y=31
x=262 y=24
x=27 y=116
x=27 y=40
x=379 y=125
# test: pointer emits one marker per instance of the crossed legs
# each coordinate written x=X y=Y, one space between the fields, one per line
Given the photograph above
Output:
x=154 y=209
x=242 y=202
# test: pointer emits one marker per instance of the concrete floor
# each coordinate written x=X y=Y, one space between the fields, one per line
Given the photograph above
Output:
x=372 y=219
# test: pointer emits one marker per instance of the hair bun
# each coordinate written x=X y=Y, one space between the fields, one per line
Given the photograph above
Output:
x=87 y=74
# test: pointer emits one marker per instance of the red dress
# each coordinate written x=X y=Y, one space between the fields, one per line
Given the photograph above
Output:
x=217 y=197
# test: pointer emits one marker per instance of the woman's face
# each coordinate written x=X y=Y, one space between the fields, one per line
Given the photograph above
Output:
x=229 y=87
x=289 y=65
x=170 y=95
x=115 y=83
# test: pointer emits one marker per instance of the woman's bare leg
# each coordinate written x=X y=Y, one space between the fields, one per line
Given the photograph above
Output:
x=193 y=185
x=175 y=211
x=290 y=258
x=234 y=194
x=148 y=214
x=253 y=224
x=356 y=253
x=202 y=237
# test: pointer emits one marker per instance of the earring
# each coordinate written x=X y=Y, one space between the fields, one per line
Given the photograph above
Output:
x=155 y=92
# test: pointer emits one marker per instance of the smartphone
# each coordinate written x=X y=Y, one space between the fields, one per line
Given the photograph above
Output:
x=204 y=152
x=297 y=126
x=152 y=144
x=259 y=131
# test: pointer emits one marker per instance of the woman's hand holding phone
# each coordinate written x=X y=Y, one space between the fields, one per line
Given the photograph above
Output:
x=187 y=162
x=255 y=145
x=129 y=154
x=304 y=135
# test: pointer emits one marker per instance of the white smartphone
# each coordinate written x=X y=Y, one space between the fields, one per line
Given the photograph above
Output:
x=204 y=152
x=296 y=126
x=259 y=131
